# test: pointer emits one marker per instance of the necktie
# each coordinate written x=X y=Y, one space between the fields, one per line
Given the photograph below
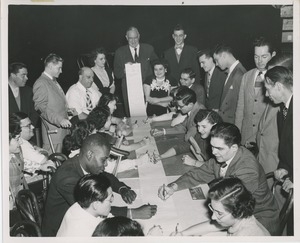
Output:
x=222 y=169
x=89 y=104
x=284 y=112
x=178 y=49
x=258 y=83
x=208 y=84
x=135 y=55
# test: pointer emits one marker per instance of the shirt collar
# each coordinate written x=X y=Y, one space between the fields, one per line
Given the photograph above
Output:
x=287 y=104
x=212 y=70
x=48 y=75
x=233 y=67
x=179 y=46
x=137 y=48
x=81 y=87
x=84 y=172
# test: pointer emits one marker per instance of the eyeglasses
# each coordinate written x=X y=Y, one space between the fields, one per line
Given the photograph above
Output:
x=218 y=214
x=28 y=125
x=110 y=199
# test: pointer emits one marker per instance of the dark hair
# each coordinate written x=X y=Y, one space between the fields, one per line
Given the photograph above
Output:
x=160 y=61
x=15 y=67
x=227 y=131
x=178 y=27
x=15 y=123
x=94 y=54
x=52 y=58
x=262 y=41
x=212 y=116
x=283 y=59
x=92 y=141
x=118 y=226
x=279 y=74
x=190 y=72
x=234 y=196
x=220 y=48
x=106 y=98
x=207 y=52
x=91 y=188
x=187 y=95
x=98 y=117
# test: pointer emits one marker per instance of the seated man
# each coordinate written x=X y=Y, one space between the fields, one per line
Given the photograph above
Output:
x=93 y=196
x=92 y=159
x=232 y=160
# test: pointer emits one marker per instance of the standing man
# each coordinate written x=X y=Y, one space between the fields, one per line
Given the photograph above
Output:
x=133 y=52
x=252 y=101
x=181 y=56
x=50 y=100
x=20 y=95
x=82 y=96
x=214 y=80
x=225 y=59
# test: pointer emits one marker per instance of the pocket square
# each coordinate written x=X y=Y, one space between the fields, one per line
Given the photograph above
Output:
x=231 y=87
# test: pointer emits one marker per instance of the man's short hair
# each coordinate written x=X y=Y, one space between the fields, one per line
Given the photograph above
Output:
x=262 y=41
x=207 y=52
x=279 y=74
x=132 y=28
x=220 y=48
x=92 y=141
x=15 y=67
x=52 y=58
x=190 y=72
x=186 y=95
x=282 y=59
x=91 y=188
x=81 y=70
x=228 y=132
x=178 y=27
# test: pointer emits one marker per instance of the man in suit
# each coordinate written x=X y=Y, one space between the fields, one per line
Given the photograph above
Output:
x=231 y=160
x=50 y=100
x=92 y=159
x=181 y=56
x=225 y=59
x=214 y=80
x=20 y=95
x=252 y=101
x=133 y=52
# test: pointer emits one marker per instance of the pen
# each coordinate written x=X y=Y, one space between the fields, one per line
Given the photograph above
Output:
x=176 y=228
x=164 y=191
x=135 y=122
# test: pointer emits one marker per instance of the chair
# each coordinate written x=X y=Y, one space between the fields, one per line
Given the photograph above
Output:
x=25 y=228
x=27 y=205
x=287 y=206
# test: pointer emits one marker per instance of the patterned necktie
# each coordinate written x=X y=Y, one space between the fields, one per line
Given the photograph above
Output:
x=284 y=112
x=89 y=104
x=135 y=55
x=259 y=82
x=208 y=84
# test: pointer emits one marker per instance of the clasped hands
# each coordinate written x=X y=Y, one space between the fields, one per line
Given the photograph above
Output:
x=156 y=132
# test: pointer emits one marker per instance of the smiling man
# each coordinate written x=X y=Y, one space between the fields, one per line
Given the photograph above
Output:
x=232 y=160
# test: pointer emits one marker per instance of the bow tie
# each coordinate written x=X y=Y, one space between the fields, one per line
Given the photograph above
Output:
x=179 y=47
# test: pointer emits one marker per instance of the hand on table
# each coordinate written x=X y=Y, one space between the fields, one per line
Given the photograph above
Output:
x=128 y=195
x=164 y=192
x=65 y=123
x=156 y=230
x=156 y=132
x=144 y=212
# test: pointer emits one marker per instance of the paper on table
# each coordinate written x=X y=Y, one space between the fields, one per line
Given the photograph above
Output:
x=135 y=91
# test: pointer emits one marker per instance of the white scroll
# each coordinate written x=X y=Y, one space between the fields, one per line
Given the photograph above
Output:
x=135 y=91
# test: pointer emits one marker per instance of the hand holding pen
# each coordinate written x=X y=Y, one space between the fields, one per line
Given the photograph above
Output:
x=164 y=192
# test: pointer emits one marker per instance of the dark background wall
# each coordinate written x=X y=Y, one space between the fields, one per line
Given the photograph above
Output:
x=36 y=31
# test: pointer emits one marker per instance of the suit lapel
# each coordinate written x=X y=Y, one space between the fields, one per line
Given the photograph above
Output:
x=250 y=85
x=129 y=53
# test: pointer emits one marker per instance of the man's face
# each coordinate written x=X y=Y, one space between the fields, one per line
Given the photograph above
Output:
x=186 y=80
x=133 y=38
x=273 y=91
x=27 y=129
x=221 y=151
x=184 y=108
x=20 y=78
x=159 y=71
x=262 y=56
x=220 y=60
x=103 y=208
x=87 y=78
x=97 y=160
x=179 y=37
x=55 y=69
x=206 y=63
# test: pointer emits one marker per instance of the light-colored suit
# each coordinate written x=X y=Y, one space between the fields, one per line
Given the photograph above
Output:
x=250 y=107
x=51 y=101
x=267 y=139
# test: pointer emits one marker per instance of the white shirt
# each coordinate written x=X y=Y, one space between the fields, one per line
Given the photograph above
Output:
x=133 y=52
x=76 y=97
x=262 y=75
x=78 y=222
x=231 y=69
x=224 y=169
x=15 y=90
x=287 y=104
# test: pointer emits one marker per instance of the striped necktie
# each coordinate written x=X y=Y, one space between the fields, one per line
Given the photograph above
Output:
x=89 y=104
x=284 y=112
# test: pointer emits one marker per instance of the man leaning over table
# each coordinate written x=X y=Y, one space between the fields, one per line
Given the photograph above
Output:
x=230 y=160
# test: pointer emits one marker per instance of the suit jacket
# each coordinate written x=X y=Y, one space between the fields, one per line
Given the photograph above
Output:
x=215 y=88
x=267 y=139
x=200 y=93
x=60 y=195
x=230 y=94
x=245 y=167
x=188 y=59
x=123 y=56
x=285 y=130
x=27 y=105
x=250 y=107
x=51 y=101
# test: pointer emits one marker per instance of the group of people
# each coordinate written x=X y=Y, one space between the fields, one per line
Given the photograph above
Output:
x=238 y=126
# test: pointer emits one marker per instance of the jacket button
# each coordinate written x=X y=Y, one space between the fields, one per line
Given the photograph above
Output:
x=254 y=113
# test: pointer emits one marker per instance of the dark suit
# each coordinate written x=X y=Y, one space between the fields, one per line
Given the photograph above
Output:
x=200 y=93
x=213 y=99
x=123 y=56
x=188 y=59
x=245 y=167
x=230 y=94
x=60 y=195
x=27 y=105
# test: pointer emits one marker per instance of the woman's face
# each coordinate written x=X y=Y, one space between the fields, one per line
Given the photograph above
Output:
x=100 y=60
x=159 y=71
x=14 y=145
x=204 y=128
x=112 y=105
x=223 y=217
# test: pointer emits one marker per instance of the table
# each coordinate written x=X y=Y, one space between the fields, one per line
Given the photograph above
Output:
x=179 y=208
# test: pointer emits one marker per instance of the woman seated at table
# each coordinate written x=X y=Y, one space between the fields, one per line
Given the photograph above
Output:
x=103 y=78
x=232 y=207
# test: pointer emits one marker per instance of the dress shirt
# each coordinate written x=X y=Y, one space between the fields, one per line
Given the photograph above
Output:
x=76 y=97
x=224 y=169
x=133 y=51
x=231 y=69
x=262 y=75
x=178 y=48
x=287 y=104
